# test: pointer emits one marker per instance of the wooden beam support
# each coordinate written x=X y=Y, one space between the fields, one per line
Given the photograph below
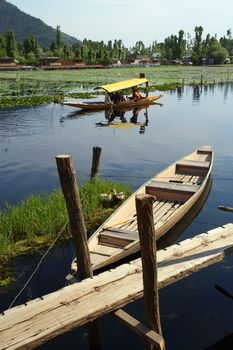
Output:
x=144 y=207
x=70 y=189
x=139 y=328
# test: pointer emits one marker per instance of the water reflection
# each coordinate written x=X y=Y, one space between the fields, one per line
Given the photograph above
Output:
x=117 y=118
x=199 y=89
x=124 y=119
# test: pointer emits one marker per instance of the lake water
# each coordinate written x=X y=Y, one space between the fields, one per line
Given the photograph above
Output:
x=194 y=314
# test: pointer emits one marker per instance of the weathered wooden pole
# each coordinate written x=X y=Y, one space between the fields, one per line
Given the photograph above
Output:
x=71 y=193
x=70 y=189
x=95 y=161
x=144 y=207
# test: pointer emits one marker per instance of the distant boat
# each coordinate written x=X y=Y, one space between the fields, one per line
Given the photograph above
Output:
x=176 y=190
x=113 y=88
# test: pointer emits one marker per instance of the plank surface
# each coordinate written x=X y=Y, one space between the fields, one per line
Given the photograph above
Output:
x=25 y=327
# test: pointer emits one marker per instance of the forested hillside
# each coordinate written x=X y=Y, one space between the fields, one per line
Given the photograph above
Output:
x=22 y=24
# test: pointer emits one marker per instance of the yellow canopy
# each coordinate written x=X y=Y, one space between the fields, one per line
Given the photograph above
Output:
x=122 y=85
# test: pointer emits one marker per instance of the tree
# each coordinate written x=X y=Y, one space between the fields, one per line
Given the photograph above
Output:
x=59 y=42
x=197 y=48
x=216 y=51
x=227 y=42
x=2 y=46
x=181 y=45
x=11 y=44
x=30 y=44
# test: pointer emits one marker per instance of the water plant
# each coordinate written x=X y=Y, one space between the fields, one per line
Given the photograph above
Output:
x=33 y=224
x=25 y=88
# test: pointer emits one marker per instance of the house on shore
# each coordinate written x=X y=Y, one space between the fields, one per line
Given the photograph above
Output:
x=8 y=62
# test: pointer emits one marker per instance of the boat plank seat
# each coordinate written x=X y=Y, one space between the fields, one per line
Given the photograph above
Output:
x=205 y=150
x=117 y=237
x=171 y=190
x=192 y=167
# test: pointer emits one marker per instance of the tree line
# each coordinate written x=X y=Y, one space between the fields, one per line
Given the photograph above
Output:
x=174 y=47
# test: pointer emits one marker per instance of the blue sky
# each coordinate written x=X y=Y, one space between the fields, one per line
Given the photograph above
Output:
x=131 y=20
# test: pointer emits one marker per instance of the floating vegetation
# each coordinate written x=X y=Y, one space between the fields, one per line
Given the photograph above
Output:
x=7 y=102
x=26 y=88
x=35 y=222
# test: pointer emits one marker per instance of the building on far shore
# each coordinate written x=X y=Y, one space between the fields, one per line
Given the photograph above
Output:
x=8 y=62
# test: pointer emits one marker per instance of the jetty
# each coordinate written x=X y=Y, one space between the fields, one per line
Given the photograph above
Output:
x=27 y=326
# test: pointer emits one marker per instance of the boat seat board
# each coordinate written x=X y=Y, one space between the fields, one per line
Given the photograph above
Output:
x=171 y=190
x=205 y=150
x=117 y=237
x=192 y=167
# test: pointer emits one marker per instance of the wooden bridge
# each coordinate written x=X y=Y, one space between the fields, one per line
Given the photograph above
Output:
x=27 y=326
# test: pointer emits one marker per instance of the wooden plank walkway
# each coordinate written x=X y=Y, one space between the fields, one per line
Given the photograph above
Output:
x=25 y=327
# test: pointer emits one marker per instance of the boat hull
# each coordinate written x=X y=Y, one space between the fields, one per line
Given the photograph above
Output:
x=102 y=106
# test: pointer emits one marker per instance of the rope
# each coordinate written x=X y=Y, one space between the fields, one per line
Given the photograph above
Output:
x=36 y=269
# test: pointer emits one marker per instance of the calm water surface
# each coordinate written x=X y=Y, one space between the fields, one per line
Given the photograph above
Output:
x=194 y=314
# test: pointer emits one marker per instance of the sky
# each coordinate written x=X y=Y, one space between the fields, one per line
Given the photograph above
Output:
x=131 y=20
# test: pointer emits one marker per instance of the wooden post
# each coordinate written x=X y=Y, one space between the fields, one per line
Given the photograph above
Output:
x=201 y=79
x=71 y=193
x=95 y=161
x=144 y=207
x=70 y=189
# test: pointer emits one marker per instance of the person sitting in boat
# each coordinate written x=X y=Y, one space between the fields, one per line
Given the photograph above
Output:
x=108 y=99
x=123 y=97
x=136 y=95
x=117 y=97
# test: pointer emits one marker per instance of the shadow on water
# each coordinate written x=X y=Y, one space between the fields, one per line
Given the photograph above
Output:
x=75 y=115
x=224 y=344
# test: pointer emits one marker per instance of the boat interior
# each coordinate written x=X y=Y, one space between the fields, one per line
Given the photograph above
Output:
x=171 y=189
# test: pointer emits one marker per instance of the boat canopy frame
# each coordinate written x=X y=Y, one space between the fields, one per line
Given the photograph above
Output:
x=122 y=85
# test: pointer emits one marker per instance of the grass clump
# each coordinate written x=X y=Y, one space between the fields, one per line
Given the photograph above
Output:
x=35 y=222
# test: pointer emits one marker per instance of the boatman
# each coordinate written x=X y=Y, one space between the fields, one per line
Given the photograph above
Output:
x=136 y=95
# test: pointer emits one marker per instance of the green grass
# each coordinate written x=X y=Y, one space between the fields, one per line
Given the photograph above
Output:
x=19 y=87
x=35 y=222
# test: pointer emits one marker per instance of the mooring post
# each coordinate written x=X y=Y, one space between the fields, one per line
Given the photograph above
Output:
x=144 y=207
x=95 y=161
x=70 y=189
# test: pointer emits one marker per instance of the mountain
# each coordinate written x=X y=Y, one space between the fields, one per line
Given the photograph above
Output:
x=13 y=18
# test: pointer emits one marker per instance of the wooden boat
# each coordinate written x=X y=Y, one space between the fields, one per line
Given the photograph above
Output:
x=110 y=88
x=176 y=189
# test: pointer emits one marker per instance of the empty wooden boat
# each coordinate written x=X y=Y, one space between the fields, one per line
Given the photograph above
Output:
x=176 y=190
x=113 y=88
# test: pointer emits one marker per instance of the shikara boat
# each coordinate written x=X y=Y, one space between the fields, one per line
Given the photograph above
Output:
x=111 y=88
x=176 y=190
